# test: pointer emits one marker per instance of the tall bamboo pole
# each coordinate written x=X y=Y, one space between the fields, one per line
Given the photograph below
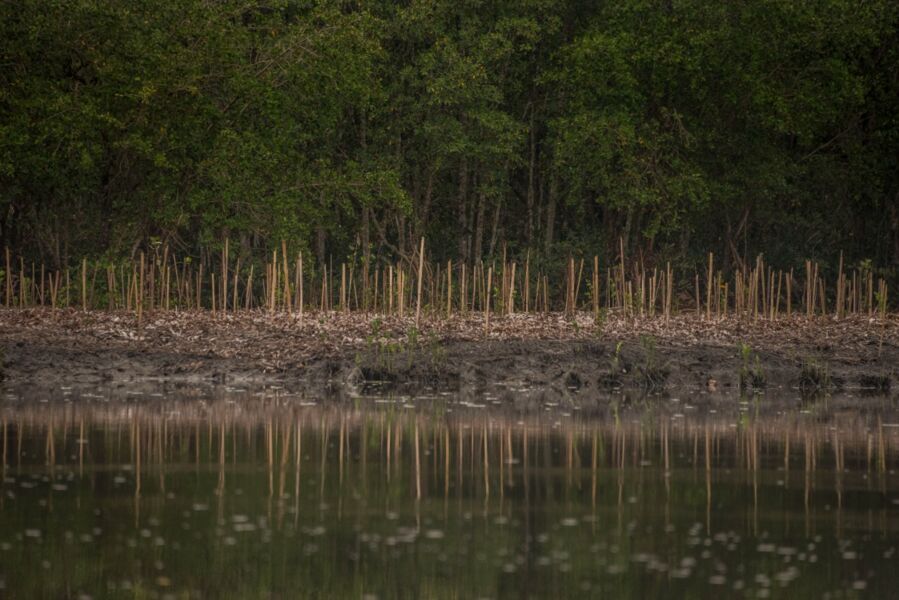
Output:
x=421 y=259
x=84 y=284
x=8 y=279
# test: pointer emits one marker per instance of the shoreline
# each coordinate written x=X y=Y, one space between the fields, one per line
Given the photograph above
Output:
x=550 y=356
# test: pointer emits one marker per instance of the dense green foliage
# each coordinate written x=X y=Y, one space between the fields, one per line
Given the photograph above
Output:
x=352 y=127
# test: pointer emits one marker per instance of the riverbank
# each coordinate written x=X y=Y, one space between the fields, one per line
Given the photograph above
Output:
x=553 y=354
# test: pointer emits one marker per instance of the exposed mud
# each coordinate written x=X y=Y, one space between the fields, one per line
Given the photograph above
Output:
x=43 y=350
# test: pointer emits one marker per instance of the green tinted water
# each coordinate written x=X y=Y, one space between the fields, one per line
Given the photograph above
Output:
x=206 y=494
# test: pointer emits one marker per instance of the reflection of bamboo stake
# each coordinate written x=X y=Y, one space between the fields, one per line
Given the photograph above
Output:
x=486 y=466
x=417 y=464
x=297 y=463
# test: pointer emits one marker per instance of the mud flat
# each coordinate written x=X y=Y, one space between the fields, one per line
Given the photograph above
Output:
x=555 y=355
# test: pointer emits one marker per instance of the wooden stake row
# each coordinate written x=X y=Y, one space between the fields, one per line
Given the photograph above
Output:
x=162 y=281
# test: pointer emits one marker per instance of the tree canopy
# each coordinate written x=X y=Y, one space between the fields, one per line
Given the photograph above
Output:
x=678 y=126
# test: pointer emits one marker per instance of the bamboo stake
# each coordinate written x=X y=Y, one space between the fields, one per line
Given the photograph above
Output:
x=487 y=301
x=577 y=285
x=449 y=288
x=224 y=294
x=545 y=294
x=84 y=284
x=199 y=303
x=248 y=293
x=527 y=281
x=511 y=302
x=286 y=275
x=140 y=290
x=234 y=305
x=273 y=282
x=790 y=295
x=709 y=282
x=463 y=297
x=8 y=279
x=54 y=289
x=596 y=288
x=343 y=295
x=166 y=277
x=698 y=301
x=623 y=276
x=390 y=289
x=841 y=284
x=421 y=258
x=300 y=286
x=22 y=280
x=668 y=293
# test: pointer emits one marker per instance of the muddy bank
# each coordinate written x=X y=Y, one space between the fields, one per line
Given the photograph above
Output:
x=550 y=355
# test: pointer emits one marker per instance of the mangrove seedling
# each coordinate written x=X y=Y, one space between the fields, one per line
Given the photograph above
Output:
x=814 y=376
x=752 y=376
x=652 y=373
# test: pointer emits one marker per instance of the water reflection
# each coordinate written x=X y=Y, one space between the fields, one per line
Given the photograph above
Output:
x=261 y=493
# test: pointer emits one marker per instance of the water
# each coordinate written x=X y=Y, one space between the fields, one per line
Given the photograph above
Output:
x=229 y=493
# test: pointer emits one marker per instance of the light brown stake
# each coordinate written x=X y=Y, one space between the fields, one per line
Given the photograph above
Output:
x=527 y=281
x=234 y=305
x=709 y=283
x=273 y=285
x=140 y=290
x=84 y=284
x=224 y=294
x=248 y=292
x=511 y=301
x=286 y=275
x=300 y=286
x=596 y=276
x=487 y=301
x=449 y=288
x=421 y=258
x=8 y=277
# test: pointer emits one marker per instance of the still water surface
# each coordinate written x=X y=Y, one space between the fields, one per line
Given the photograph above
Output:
x=206 y=493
